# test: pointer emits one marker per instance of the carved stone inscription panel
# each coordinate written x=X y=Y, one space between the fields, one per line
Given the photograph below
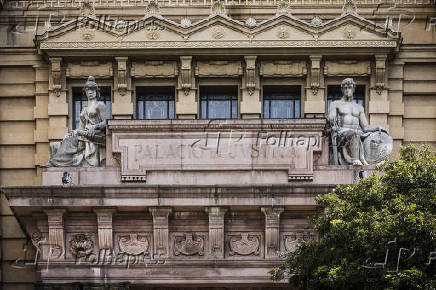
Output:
x=227 y=149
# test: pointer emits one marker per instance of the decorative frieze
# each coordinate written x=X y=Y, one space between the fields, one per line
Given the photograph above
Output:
x=219 y=68
x=83 y=69
x=283 y=68
x=347 y=68
x=133 y=243
x=272 y=231
x=154 y=69
x=216 y=231
x=160 y=231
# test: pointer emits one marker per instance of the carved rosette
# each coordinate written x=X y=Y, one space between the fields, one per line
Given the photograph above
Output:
x=244 y=244
x=81 y=245
x=133 y=244
x=189 y=245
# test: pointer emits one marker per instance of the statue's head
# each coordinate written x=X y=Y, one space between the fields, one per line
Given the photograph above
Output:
x=347 y=86
x=91 y=89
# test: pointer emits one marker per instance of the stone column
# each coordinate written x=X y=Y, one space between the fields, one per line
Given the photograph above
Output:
x=216 y=231
x=104 y=224
x=57 y=104
x=251 y=105
x=186 y=99
x=314 y=106
x=56 y=235
x=272 y=231
x=160 y=231
x=122 y=107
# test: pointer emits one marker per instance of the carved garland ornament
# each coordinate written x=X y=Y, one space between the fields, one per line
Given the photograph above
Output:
x=81 y=245
x=244 y=244
x=189 y=245
x=133 y=244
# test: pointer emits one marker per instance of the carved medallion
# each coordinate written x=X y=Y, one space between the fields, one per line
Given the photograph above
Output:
x=244 y=244
x=292 y=240
x=133 y=244
x=218 y=33
x=189 y=245
x=283 y=33
x=81 y=245
x=349 y=32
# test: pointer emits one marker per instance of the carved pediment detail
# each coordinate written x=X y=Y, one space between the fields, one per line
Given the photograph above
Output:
x=218 y=31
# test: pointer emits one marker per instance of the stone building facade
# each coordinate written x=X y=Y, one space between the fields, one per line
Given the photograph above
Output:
x=200 y=217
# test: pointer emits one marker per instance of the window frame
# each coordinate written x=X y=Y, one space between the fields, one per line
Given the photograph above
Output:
x=295 y=88
x=219 y=83
x=168 y=99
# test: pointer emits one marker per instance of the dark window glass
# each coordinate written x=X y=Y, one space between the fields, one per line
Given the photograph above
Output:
x=219 y=102
x=334 y=93
x=281 y=102
x=155 y=102
x=80 y=101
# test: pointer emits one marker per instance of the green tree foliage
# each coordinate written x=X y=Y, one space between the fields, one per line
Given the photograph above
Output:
x=379 y=233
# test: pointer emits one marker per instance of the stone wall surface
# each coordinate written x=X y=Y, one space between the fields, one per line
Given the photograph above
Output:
x=37 y=76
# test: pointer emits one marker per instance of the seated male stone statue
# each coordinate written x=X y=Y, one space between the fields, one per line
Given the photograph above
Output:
x=354 y=141
x=84 y=146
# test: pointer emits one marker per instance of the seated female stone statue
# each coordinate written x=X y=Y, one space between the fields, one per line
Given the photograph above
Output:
x=84 y=146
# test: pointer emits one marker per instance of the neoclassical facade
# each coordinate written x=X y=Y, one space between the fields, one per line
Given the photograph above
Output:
x=216 y=138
